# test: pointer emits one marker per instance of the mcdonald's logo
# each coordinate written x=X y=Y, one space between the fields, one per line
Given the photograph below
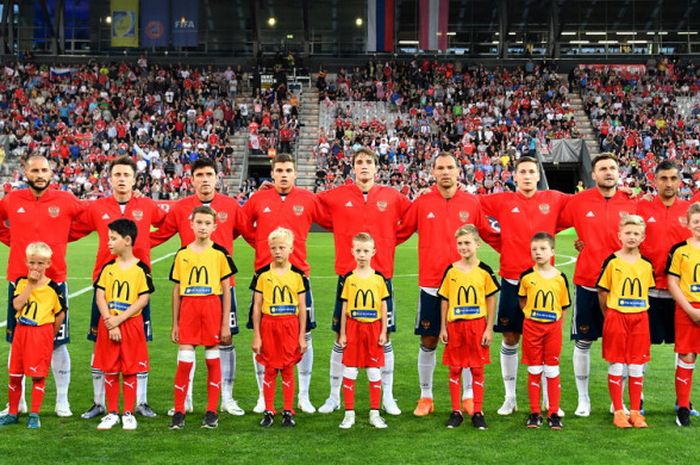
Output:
x=367 y=296
x=466 y=292
x=695 y=272
x=118 y=287
x=543 y=300
x=30 y=307
x=284 y=293
x=196 y=274
x=634 y=285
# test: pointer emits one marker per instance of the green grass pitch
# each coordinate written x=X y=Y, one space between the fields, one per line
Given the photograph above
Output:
x=317 y=437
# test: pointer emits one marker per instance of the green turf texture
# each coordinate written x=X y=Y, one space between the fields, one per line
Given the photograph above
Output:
x=317 y=438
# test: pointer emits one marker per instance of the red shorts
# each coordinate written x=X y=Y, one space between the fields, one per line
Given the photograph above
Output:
x=280 y=341
x=463 y=348
x=626 y=337
x=32 y=347
x=687 y=332
x=200 y=320
x=363 y=349
x=541 y=342
x=129 y=356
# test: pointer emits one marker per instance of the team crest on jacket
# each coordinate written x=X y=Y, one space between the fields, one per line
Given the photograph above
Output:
x=544 y=208
x=137 y=214
x=54 y=211
x=222 y=216
x=463 y=216
x=623 y=214
x=683 y=220
x=298 y=209
x=381 y=205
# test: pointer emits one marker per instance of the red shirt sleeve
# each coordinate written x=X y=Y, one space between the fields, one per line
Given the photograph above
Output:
x=323 y=217
x=166 y=230
x=81 y=226
x=4 y=230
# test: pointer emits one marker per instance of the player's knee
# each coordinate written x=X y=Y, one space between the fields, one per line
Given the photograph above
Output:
x=350 y=372
x=428 y=343
x=636 y=370
x=551 y=371
x=511 y=338
x=535 y=370
x=616 y=369
x=584 y=345
x=374 y=375
x=687 y=359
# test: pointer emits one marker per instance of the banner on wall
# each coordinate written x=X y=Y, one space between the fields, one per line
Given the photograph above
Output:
x=155 y=23
x=184 y=22
x=125 y=23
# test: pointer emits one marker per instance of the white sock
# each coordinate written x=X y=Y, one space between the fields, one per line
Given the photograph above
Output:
x=60 y=364
x=189 y=400
x=141 y=388
x=582 y=368
x=388 y=372
x=426 y=368
x=509 y=368
x=467 y=391
x=259 y=375
x=545 y=395
x=227 y=356
x=98 y=384
x=336 y=374
x=305 y=367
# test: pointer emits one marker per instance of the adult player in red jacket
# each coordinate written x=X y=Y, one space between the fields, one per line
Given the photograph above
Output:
x=363 y=206
x=520 y=215
x=436 y=216
x=595 y=213
x=230 y=224
x=97 y=216
x=41 y=213
x=290 y=207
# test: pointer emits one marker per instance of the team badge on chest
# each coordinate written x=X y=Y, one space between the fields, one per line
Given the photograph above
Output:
x=463 y=216
x=222 y=216
x=137 y=214
x=683 y=220
x=54 y=211
x=298 y=209
x=381 y=205
x=544 y=208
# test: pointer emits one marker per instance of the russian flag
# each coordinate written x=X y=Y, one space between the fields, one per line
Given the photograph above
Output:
x=59 y=73
x=433 y=16
x=380 y=25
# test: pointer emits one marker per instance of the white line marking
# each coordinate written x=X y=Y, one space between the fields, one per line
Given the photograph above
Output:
x=89 y=288
x=3 y=324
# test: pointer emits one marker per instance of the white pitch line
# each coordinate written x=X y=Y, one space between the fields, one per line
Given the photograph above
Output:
x=89 y=288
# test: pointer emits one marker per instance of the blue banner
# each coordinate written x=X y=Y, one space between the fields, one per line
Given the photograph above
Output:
x=184 y=23
x=155 y=23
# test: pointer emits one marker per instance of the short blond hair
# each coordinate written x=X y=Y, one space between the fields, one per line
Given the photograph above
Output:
x=468 y=230
x=632 y=220
x=39 y=249
x=283 y=234
x=693 y=209
x=363 y=237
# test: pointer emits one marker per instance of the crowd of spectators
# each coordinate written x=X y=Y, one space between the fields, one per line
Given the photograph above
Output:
x=487 y=117
x=644 y=115
x=81 y=117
